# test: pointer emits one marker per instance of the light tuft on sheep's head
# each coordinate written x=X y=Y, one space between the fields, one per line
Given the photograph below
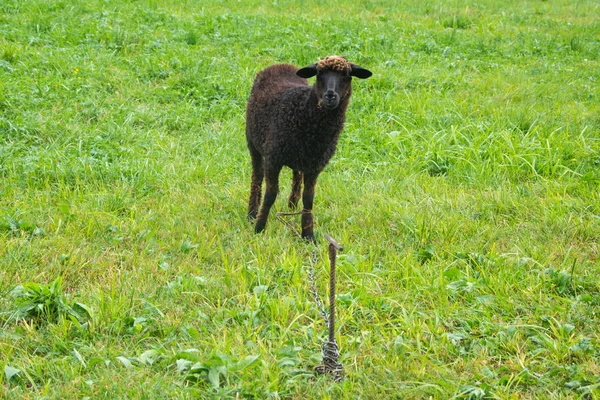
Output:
x=335 y=63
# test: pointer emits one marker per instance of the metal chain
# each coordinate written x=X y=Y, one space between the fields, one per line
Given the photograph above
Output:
x=311 y=269
x=313 y=288
x=331 y=365
x=329 y=348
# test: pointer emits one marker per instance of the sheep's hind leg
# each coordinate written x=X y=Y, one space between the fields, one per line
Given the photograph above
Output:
x=256 y=183
x=296 y=189
x=308 y=195
x=272 y=178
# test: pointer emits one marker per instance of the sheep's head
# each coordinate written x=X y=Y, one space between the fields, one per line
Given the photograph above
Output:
x=334 y=78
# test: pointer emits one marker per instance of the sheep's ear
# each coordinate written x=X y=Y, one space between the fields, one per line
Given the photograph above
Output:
x=360 y=72
x=307 y=72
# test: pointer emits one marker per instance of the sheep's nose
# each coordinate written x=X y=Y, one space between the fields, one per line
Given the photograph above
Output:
x=330 y=95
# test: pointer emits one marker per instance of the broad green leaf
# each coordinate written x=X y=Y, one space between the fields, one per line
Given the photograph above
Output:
x=125 y=361
x=213 y=377
x=148 y=357
x=198 y=367
x=82 y=310
x=10 y=372
x=246 y=362
x=183 y=365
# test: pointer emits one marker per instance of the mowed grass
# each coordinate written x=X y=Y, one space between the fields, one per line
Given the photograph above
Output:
x=464 y=191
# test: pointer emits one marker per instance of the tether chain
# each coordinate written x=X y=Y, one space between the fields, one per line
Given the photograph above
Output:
x=329 y=348
x=313 y=288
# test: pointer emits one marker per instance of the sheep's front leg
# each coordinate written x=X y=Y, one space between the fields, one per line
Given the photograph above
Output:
x=272 y=180
x=310 y=180
x=296 y=189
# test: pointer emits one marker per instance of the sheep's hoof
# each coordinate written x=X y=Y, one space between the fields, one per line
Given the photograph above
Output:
x=252 y=215
x=309 y=237
x=258 y=228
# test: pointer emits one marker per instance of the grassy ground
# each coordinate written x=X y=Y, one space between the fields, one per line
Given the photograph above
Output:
x=464 y=189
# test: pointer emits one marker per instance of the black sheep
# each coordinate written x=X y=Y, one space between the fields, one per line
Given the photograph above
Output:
x=291 y=123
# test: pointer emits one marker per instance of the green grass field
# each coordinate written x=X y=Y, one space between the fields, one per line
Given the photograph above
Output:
x=465 y=191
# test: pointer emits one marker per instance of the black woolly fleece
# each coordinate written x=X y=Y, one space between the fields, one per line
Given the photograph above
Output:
x=287 y=125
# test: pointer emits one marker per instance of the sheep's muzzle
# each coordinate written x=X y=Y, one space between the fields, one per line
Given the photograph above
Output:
x=330 y=100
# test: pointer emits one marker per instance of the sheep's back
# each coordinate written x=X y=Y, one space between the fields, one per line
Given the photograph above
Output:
x=270 y=91
x=276 y=78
